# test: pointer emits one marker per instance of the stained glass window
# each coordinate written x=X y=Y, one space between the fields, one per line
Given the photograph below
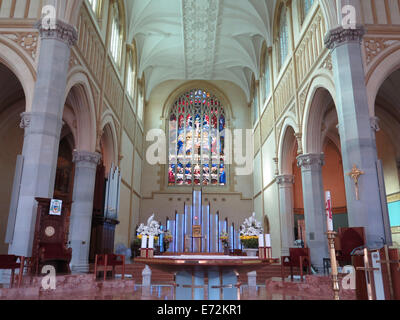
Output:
x=255 y=107
x=197 y=125
x=130 y=79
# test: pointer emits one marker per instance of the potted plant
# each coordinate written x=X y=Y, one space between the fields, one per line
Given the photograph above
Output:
x=225 y=242
x=249 y=232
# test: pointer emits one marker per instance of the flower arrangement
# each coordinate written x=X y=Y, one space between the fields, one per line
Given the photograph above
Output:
x=167 y=239
x=249 y=232
x=225 y=239
x=152 y=228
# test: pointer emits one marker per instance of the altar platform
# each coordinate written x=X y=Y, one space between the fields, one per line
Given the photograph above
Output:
x=213 y=276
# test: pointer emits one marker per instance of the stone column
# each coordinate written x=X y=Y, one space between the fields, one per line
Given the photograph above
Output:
x=357 y=138
x=82 y=208
x=285 y=184
x=42 y=131
x=314 y=207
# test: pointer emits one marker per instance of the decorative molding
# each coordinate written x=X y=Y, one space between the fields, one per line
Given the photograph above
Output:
x=28 y=41
x=85 y=156
x=340 y=36
x=62 y=32
x=200 y=23
x=310 y=161
x=25 y=120
x=327 y=64
x=285 y=180
x=393 y=197
x=373 y=46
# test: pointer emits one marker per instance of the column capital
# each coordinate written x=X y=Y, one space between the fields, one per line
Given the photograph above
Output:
x=339 y=36
x=59 y=31
x=25 y=120
x=285 y=179
x=85 y=156
x=309 y=161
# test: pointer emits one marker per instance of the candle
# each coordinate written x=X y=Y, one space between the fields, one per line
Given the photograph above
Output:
x=261 y=241
x=328 y=206
x=151 y=242
x=268 y=240
x=144 y=242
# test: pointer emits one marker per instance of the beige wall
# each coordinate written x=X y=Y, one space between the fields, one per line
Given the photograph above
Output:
x=233 y=202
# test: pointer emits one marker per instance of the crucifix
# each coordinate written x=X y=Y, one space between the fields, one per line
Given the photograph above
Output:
x=368 y=274
x=388 y=262
x=355 y=174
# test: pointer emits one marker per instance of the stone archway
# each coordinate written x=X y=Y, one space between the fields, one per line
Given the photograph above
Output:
x=12 y=102
x=387 y=112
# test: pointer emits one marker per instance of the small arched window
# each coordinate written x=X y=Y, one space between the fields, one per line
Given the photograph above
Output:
x=131 y=74
x=255 y=106
x=116 y=33
x=283 y=36
x=197 y=125
x=267 y=76
x=140 y=101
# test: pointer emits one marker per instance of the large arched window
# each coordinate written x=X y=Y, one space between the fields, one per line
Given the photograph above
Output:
x=116 y=33
x=197 y=140
x=283 y=36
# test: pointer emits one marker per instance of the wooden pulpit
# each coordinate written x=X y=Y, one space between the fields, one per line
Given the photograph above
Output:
x=51 y=238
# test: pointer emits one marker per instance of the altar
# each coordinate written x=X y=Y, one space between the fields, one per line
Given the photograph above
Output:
x=211 y=276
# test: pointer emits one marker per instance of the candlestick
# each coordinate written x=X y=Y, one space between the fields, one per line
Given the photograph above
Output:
x=329 y=215
x=334 y=274
x=151 y=242
x=144 y=242
x=268 y=240
x=261 y=241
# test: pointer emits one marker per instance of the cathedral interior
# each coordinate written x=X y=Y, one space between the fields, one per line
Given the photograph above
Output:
x=153 y=129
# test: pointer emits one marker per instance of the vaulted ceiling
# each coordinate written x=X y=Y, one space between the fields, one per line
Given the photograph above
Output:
x=199 y=39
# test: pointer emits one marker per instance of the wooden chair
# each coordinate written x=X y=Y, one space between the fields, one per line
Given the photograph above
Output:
x=347 y=240
x=108 y=262
x=299 y=258
x=10 y=262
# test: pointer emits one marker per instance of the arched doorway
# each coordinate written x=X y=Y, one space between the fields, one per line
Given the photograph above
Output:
x=387 y=111
x=12 y=104
x=321 y=171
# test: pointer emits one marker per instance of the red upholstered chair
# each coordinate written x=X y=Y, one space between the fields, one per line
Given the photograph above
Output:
x=347 y=240
x=299 y=258
x=108 y=262
x=10 y=262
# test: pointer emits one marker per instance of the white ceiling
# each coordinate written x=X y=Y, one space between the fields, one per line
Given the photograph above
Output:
x=199 y=39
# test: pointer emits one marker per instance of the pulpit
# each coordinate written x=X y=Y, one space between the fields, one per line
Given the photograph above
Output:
x=51 y=238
